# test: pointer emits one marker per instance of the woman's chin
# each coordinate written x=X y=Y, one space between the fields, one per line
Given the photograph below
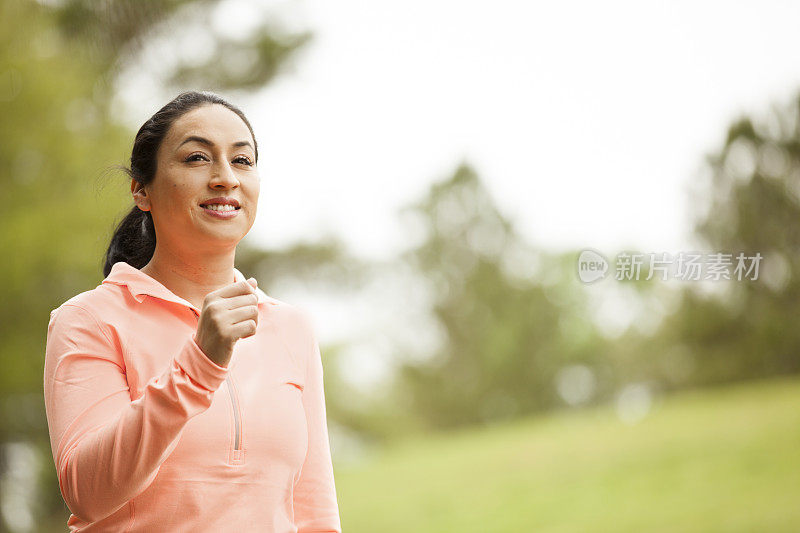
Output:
x=227 y=237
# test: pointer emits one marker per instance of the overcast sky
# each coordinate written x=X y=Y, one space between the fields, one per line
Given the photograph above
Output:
x=586 y=120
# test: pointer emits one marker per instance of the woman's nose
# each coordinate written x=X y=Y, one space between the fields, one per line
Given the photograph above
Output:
x=224 y=175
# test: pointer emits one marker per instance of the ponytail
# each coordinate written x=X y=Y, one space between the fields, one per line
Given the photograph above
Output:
x=134 y=241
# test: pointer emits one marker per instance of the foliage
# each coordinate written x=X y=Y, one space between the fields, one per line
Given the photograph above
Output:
x=748 y=201
x=507 y=333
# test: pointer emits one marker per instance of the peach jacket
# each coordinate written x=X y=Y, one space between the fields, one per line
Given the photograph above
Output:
x=149 y=434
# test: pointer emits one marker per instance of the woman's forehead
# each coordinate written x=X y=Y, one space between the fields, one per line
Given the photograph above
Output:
x=215 y=122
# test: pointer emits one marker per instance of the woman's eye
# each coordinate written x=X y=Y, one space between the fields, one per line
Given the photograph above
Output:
x=196 y=157
x=244 y=160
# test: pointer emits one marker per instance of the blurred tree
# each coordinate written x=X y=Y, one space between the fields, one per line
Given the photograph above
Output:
x=511 y=317
x=52 y=141
x=754 y=207
x=748 y=201
x=113 y=35
x=327 y=262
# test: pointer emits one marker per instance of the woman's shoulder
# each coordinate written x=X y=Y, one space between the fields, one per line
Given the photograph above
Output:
x=289 y=316
x=101 y=303
x=295 y=323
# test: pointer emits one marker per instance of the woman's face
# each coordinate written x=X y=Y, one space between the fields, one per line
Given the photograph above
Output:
x=207 y=153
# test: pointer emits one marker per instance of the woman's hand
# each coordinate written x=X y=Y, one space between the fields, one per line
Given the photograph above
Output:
x=228 y=314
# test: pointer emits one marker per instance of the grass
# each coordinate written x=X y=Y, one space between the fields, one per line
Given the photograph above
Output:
x=701 y=461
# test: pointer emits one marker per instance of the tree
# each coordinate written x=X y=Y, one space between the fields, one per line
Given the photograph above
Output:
x=507 y=331
x=748 y=201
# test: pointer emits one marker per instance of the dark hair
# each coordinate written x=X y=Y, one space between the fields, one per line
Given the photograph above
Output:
x=134 y=239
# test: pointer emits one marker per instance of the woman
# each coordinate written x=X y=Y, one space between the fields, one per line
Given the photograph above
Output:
x=179 y=396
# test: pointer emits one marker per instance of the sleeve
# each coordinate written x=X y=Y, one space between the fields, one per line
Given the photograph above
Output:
x=315 y=505
x=107 y=449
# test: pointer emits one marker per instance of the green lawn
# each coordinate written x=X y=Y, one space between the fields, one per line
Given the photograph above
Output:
x=712 y=460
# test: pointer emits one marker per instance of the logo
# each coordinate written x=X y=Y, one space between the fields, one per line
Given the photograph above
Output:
x=592 y=266
x=685 y=266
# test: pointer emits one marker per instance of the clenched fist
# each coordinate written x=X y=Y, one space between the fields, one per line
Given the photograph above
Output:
x=228 y=314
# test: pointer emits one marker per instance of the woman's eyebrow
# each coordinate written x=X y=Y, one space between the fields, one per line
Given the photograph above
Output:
x=208 y=142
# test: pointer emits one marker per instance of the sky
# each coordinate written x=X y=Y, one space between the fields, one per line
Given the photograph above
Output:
x=587 y=121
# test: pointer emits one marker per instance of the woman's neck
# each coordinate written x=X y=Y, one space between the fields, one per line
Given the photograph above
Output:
x=191 y=278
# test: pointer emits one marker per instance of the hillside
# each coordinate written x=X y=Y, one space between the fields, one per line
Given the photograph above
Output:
x=713 y=460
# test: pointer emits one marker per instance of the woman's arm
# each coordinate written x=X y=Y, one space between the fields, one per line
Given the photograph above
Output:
x=108 y=449
x=315 y=505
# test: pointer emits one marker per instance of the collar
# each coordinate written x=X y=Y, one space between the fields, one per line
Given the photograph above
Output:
x=140 y=285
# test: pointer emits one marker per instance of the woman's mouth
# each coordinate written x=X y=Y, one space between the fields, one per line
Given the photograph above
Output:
x=223 y=211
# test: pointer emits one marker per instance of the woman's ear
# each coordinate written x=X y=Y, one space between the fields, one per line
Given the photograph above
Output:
x=140 y=195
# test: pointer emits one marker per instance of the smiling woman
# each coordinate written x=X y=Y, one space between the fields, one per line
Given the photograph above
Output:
x=142 y=438
x=207 y=145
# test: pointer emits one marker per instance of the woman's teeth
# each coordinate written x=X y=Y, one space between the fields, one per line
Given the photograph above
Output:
x=220 y=207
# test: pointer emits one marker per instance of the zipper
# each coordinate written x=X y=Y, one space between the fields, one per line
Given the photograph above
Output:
x=237 y=449
x=236 y=457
